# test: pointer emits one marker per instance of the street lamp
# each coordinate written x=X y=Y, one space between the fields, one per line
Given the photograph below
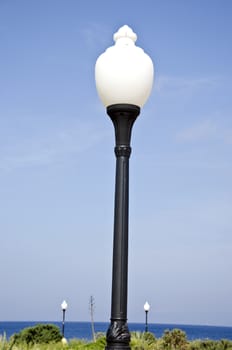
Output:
x=64 y=306
x=146 y=309
x=124 y=78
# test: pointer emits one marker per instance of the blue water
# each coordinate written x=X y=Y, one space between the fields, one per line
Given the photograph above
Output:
x=82 y=330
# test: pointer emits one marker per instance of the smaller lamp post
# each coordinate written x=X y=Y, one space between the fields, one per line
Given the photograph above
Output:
x=64 y=306
x=146 y=309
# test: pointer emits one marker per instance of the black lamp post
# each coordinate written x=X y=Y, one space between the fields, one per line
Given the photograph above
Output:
x=64 y=306
x=124 y=78
x=146 y=309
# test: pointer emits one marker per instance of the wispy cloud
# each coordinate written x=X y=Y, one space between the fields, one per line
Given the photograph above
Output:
x=206 y=130
x=177 y=84
x=52 y=148
x=94 y=35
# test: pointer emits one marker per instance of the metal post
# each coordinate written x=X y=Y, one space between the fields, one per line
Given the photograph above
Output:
x=123 y=117
x=63 y=323
x=146 y=326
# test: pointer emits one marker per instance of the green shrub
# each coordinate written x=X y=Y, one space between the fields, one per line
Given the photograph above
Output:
x=225 y=344
x=4 y=344
x=39 y=334
x=207 y=344
x=76 y=344
x=194 y=345
x=142 y=341
x=149 y=337
x=175 y=339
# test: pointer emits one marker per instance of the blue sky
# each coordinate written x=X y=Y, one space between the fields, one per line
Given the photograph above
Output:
x=57 y=164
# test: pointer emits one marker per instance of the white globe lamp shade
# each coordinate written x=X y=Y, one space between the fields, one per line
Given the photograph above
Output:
x=146 y=306
x=124 y=72
x=64 y=305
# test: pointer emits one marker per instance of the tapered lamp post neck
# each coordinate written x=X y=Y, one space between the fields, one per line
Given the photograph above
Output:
x=123 y=117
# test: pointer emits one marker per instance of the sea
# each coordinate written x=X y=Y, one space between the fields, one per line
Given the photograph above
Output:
x=82 y=330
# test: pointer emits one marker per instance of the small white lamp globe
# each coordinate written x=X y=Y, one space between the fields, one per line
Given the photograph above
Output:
x=64 y=305
x=146 y=307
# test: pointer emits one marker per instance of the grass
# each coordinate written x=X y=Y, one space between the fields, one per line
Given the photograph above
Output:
x=171 y=340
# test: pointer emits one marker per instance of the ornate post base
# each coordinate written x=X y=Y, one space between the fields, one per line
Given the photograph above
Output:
x=118 y=336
